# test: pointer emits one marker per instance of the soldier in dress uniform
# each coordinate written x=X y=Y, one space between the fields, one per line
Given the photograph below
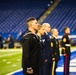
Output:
x=55 y=50
x=40 y=33
x=46 y=50
x=31 y=49
x=66 y=50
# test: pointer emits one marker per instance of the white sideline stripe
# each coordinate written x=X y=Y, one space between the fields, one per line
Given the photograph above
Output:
x=14 y=72
x=8 y=55
x=73 y=64
x=72 y=50
x=60 y=69
x=11 y=50
x=73 y=61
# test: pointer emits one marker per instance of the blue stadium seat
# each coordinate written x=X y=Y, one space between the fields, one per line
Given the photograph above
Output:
x=63 y=15
x=13 y=14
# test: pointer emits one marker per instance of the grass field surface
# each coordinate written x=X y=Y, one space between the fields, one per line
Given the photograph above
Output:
x=10 y=60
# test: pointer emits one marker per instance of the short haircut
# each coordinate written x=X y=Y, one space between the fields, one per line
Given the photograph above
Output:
x=65 y=28
x=52 y=30
x=45 y=24
x=29 y=20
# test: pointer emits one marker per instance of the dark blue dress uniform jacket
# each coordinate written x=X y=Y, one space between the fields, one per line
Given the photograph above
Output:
x=47 y=53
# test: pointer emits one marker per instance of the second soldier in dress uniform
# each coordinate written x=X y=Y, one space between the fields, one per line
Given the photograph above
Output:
x=40 y=33
x=66 y=50
x=46 y=50
x=55 y=50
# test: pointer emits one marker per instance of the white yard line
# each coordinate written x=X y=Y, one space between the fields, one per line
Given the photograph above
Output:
x=73 y=61
x=11 y=50
x=60 y=69
x=72 y=50
x=14 y=72
x=8 y=54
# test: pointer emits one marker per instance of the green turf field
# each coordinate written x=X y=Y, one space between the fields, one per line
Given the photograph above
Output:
x=10 y=60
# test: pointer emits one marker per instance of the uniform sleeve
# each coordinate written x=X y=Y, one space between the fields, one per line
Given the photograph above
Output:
x=52 y=48
x=63 y=45
x=27 y=46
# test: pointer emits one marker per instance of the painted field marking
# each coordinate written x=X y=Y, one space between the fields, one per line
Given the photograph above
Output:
x=14 y=65
x=18 y=59
x=4 y=60
x=14 y=72
x=8 y=62
x=9 y=54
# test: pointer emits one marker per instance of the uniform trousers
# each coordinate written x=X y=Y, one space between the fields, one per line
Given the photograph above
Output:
x=66 y=64
x=45 y=69
x=54 y=66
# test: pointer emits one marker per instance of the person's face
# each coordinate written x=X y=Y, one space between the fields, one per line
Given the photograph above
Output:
x=34 y=25
x=48 y=28
x=41 y=31
x=67 y=31
x=56 y=32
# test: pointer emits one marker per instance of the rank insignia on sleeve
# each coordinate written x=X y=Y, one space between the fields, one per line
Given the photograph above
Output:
x=64 y=40
x=51 y=44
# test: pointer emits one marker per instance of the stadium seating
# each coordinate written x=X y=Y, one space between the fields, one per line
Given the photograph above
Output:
x=63 y=15
x=14 y=14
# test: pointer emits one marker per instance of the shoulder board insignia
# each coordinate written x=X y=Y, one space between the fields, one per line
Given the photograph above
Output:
x=64 y=40
x=51 y=44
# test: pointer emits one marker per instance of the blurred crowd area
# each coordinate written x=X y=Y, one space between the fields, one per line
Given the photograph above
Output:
x=11 y=42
